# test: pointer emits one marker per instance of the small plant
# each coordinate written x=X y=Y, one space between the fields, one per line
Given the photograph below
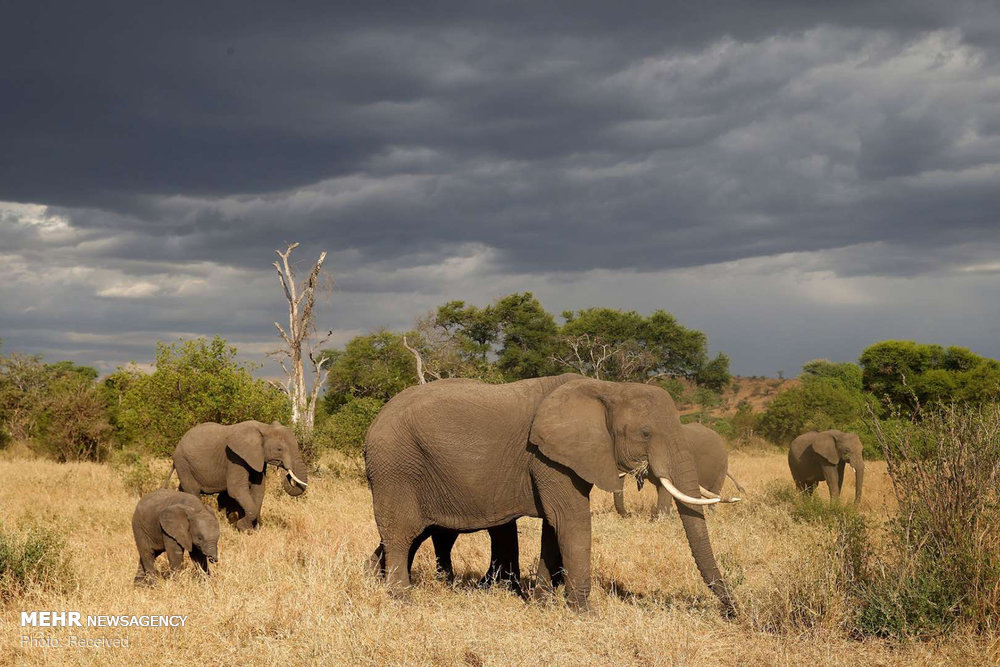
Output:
x=29 y=561
x=136 y=474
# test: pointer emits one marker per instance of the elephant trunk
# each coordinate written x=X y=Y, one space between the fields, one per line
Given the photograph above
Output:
x=620 y=503
x=295 y=478
x=696 y=530
x=859 y=477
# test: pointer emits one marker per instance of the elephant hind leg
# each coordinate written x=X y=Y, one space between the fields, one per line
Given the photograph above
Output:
x=402 y=529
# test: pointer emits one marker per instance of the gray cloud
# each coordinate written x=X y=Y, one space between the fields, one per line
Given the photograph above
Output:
x=451 y=152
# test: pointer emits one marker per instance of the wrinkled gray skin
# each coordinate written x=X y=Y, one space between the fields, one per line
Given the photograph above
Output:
x=711 y=458
x=711 y=461
x=463 y=457
x=232 y=460
x=820 y=456
x=175 y=522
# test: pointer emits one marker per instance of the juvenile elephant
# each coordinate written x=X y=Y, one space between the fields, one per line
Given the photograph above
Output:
x=711 y=459
x=462 y=457
x=175 y=522
x=820 y=456
x=231 y=461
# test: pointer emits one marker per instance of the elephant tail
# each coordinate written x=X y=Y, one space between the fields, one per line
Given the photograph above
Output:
x=170 y=474
x=740 y=488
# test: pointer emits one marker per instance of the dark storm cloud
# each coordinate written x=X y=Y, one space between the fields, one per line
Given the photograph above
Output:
x=453 y=150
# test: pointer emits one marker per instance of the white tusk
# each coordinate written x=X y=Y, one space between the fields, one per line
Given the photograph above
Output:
x=622 y=474
x=297 y=480
x=683 y=497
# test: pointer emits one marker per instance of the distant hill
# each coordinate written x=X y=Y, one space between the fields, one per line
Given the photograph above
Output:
x=757 y=391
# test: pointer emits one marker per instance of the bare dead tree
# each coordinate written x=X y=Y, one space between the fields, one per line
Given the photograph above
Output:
x=420 y=361
x=299 y=339
x=595 y=357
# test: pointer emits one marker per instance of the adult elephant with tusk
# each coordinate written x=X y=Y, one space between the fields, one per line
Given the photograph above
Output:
x=711 y=459
x=463 y=456
x=820 y=456
x=232 y=461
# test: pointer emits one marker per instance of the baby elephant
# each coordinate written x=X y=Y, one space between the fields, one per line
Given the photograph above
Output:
x=175 y=522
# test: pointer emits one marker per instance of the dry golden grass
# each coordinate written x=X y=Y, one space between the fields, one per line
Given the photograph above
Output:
x=296 y=591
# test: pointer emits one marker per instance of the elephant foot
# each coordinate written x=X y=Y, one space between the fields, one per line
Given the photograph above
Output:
x=144 y=580
x=245 y=525
x=578 y=603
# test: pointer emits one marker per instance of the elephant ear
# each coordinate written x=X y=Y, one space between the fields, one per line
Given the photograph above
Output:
x=247 y=442
x=571 y=427
x=175 y=522
x=826 y=446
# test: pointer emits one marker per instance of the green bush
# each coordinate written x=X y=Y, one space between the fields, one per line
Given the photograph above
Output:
x=56 y=408
x=194 y=381
x=136 y=474
x=31 y=560
x=942 y=563
x=345 y=430
x=819 y=403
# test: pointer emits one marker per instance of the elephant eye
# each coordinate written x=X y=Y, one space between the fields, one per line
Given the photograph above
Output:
x=645 y=431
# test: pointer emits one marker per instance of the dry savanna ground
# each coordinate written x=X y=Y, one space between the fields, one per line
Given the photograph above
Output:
x=296 y=590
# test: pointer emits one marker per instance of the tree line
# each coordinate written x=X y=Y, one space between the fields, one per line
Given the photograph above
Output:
x=64 y=411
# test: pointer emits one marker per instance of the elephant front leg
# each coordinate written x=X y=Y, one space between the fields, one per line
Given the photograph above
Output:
x=230 y=508
x=550 y=566
x=147 y=568
x=574 y=544
x=239 y=487
x=832 y=481
x=175 y=553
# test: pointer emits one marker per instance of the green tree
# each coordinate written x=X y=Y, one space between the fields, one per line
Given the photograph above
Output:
x=375 y=365
x=626 y=346
x=516 y=335
x=845 y=372
x=193 y=381
x=345 y=430
x=906 y=373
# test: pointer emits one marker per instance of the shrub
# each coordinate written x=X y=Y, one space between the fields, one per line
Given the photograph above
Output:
x=57 y=408
x=942 y=563
x=135 y=473
x=73 y=422
x=194 y=381
x=818 y=404
x=35 y=559
x=345 y=430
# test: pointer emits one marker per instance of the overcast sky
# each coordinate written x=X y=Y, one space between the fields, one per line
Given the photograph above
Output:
x=796 y=179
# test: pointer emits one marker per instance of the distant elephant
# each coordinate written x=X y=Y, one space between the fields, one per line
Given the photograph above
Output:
x=711 y=458
x=175 y=522
x=232 y=460
x=462 y=457
x=820 y=456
